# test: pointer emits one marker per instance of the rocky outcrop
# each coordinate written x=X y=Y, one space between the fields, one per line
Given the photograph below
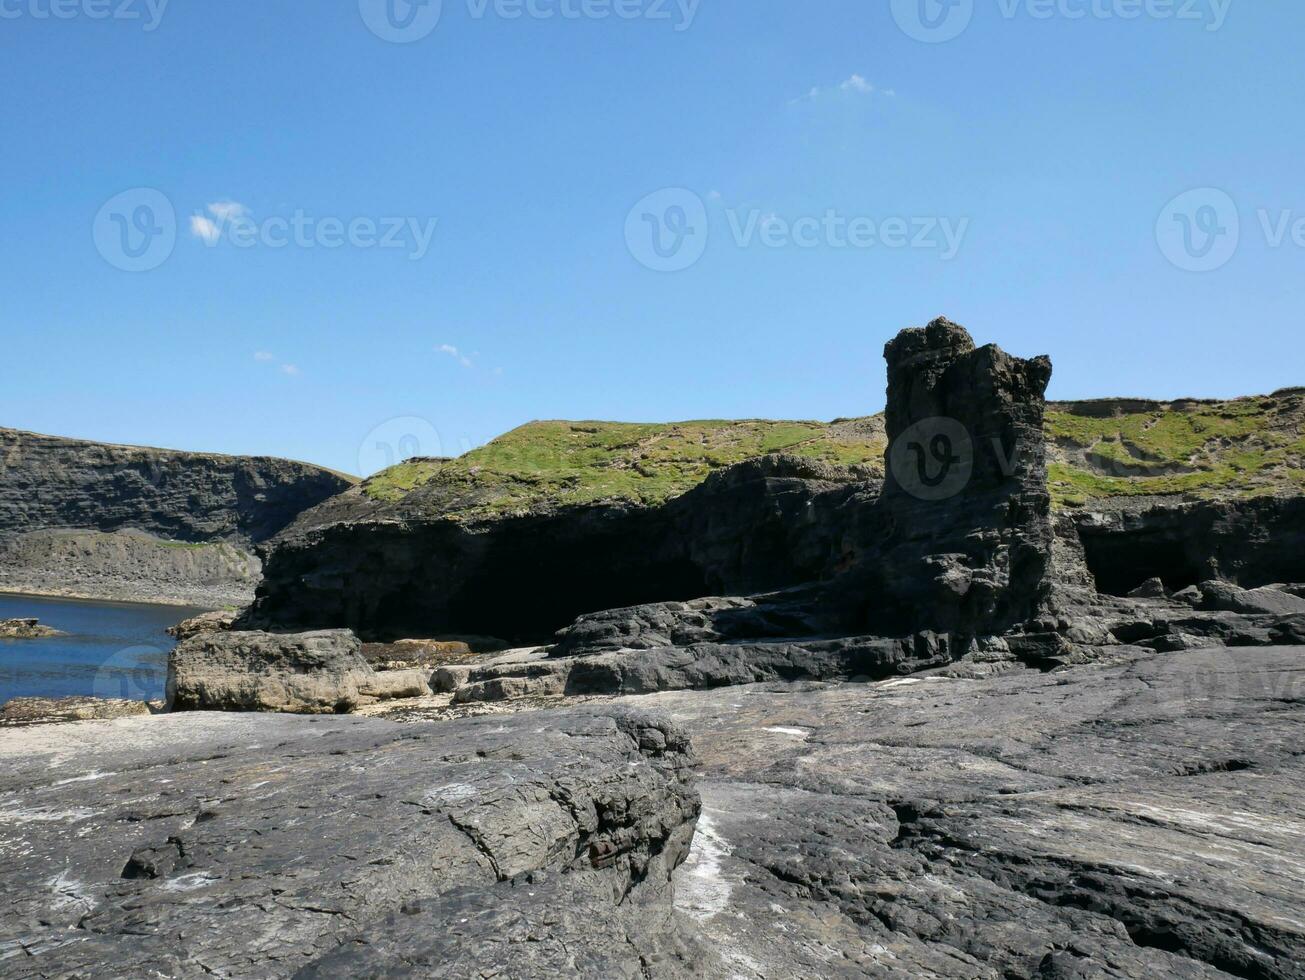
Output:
x=305 y=673
x=271 y=846
x=1249 y=542
x=21 y=712
x=959 y=541
x=388 y=573
x=699 y=665
x=217 y=621
x=49 y=482
x=126 y=523
x=128 y=566
x=323 y=672
x=26 y=629
x=390 y=569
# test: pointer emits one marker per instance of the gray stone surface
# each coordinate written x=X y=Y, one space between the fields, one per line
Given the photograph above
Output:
x=265 y=846
x=1135 y=821
x=1230 y=598
x=703 y=665
x=51 y=711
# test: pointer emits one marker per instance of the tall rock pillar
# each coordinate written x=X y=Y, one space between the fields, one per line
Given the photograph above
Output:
x=963 y=524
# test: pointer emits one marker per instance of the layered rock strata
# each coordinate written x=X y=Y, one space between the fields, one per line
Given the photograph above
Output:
x=263 y=846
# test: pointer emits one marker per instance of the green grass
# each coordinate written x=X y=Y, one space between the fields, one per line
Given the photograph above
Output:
x=583 y=462
x=1244 y=447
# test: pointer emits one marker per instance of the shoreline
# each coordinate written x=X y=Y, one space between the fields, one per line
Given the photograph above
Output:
x=68 y=595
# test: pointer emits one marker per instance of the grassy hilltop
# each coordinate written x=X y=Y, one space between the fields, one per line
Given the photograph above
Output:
x=1096 y=449
x=1245 y=447
x=646 y=463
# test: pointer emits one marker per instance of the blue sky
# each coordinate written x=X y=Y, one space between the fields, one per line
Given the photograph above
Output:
x=1049 y=146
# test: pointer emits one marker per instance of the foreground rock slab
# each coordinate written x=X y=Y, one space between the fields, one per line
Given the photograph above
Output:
x=1140 y=820
x=273 y=846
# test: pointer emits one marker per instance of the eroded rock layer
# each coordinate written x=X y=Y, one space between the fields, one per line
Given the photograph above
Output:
x=260 y=846
x=1140 y=820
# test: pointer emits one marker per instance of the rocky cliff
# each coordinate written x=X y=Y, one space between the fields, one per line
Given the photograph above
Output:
x=126 y=522
x=638 y=514
x=49 y=482
x=557 y=519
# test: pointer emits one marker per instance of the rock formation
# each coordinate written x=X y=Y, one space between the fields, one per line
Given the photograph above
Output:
x=959 y=540
x=304 y=673
x=61 y=500
x=48 y=482
x=217 y=621
x=26 y=629
x=268 y=846
x=771 y=523
x=128 y=566
x=22 y=712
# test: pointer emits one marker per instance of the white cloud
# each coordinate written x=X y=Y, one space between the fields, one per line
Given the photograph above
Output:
x=290 y=369
x=713 y=195
x=456 y=354
x=227 y=210
x=262 y=355
x=857 y=84
x=202 y=227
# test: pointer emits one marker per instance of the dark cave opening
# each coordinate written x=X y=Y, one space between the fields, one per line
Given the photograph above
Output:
x=1121 y=562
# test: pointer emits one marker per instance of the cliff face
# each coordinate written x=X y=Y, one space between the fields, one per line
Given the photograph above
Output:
x=391 y=563
x=96 y=521
x=949 y=529
x=763 y=524
x=48 y=482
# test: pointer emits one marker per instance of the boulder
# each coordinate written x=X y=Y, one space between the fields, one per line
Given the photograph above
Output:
x=384 y=685
x=302 y=673
x=217 y=621
x=1228 y=597
x=1152 y=588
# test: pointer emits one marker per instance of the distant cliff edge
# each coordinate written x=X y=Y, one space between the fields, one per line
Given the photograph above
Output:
x=130 y=523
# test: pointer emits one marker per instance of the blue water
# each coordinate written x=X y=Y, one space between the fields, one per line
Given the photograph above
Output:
x=113 y=650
